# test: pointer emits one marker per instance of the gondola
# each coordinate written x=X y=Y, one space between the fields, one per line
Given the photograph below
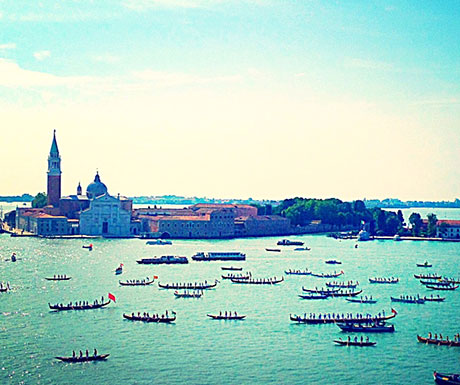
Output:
x=231 y=268
x=190 y=286
x=226 y=317
x=137 y=283
x=160 y=319
x=274 y=250
x=58 y=278
x=341 y=293
x=333 y=262
x=355 y=343
x=366 y=328
x=343 y=285
x=297 y=272
x=361 y=300
x=188 y=295
x=101 y=357
x=434 y=299
x=443 y=378
x=316 y=321
x=314 y=296
x=321 y=291
x=435 y=341
x=236 y=276
x=259 y=281
x=426 y=264
x=432 y=287
x=436 y=283
x=408 y=300
x=427 y=276
x=384 y=280
x=325 y=275
x=57 y=307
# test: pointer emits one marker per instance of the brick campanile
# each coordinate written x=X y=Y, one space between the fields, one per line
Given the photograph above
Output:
x=54 y=174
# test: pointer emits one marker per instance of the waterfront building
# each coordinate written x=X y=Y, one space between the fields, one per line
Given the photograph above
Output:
x=448 y=229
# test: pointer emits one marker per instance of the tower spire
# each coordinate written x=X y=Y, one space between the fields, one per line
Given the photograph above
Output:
x=54 y=174
x=54 y=147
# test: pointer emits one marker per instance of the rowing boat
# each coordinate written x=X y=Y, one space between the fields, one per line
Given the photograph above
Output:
x=188 y=295
x=259 y=281
x=427 y=276
x=325 y=275
x=443 y=378
x=355 y=343
x=101 y=357
x=384 y=280
x=434 y=299
x=226 y=317
x=343 y=285
x=137 y=283
x=58 y=307
x=321 y=291
x=297 y=272
x=408 y=300
x=314 y=296
x=191 y=286
x=366 y=328
x=361 y=300
x=325 y=320
x=232 y=268
x=159 y=319
x=58 y=278
x=432 y=287
x=435 y=341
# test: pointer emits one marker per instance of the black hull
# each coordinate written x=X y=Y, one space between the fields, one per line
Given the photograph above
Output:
x=165 y=320
x=226 y=318
x=83 y=307
x=320 y=321
x=102 y=357
x=352 y=343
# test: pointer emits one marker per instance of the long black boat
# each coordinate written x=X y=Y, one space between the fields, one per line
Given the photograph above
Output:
x=436 y=283
x=384 y=280
x=237 y=276
x=343 y=285
x=226 y=317
x=361 y=300
x=231 y=268
x=137 y=282
x=327 y=275
x=343 y=293
x=433 y=287
x=148 y=318
x=443 y=378
x=314 y=296
x=427 y=276
x=434 y=299
x=58 y=278
x=321 y=290
x=408 y=300
x=59 y=307
x=326 y=320
x=366 y=328
x=258 y=281
x=439 y=342
x=297 y=272
x=191 y=286
x=355 y=343
x=101 y=357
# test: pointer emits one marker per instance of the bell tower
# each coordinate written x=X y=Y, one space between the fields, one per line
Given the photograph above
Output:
x=54 y=174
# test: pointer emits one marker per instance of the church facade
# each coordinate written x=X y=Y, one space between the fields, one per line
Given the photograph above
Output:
x=97 y=213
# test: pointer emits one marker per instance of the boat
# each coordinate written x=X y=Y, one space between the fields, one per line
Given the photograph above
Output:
x=436 y=283
x=384 y=280
x=349 y=293
x=425 y=264
x=443 y=378
x=159 y=242
x=297 y=272
x=3 y=289
x=258 y=281
x=274 y=250
x=439 y=342
x=59 y=307
x=355 y=343
x=287 y=242
x=101 y=357
x=434 y=299
x=361 y=300
x=333 y=262
x=302 y=249
x=323 y=319
x=187 y=294
x=164 y=318
x=366 y=328
x=343 y=285
x=190 y=286
x=427 y=276
x=232 y=268
x=314 y=296
x=433 y=287
x=219 y=256
x=137 y=282
x=164 y=259
x=451 y=280
x=119 y=269
x=58 y=278
x=330 y=275
x=237 y=276
x=321 y=290
x=89 y=247
x=234 y=317
x=408 y=299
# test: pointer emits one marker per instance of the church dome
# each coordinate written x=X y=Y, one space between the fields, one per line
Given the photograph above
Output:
x=97 y=188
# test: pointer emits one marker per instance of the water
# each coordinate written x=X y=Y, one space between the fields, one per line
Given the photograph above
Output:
x=266 y=348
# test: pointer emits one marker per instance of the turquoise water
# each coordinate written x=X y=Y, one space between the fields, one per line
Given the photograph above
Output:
x=266 y=348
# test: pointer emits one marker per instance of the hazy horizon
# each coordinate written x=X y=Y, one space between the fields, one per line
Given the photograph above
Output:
x=260 y=99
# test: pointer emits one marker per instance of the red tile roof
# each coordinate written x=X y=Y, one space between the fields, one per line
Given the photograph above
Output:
x=449 y=222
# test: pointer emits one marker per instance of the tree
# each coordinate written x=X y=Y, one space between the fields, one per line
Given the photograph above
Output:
x=401 y=217
x=416 y=221
x=40 y=200
x=432 y=220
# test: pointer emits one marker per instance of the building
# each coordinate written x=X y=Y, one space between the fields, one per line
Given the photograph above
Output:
x=54 y=174
x=448 y=229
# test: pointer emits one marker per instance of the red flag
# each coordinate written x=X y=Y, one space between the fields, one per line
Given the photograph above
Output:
x=155 y=277
x=394 y=311
x=112 y=297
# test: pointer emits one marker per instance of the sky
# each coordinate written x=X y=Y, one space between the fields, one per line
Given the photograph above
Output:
x=267 y=99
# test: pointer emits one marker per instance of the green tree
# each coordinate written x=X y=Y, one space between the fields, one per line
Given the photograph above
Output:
x=432 y=220
x=416 y=221
x=40 y=200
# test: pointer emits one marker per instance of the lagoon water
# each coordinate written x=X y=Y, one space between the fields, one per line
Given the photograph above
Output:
x=266 y=348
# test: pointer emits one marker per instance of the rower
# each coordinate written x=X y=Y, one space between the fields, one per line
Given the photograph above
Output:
x=95 y=352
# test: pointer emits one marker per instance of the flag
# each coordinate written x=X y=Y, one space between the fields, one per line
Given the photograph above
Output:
x=155 y=277
x=394 y=311
x=112 y=297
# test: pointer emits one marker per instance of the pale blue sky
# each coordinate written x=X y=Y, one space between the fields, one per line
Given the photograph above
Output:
x=268 y=99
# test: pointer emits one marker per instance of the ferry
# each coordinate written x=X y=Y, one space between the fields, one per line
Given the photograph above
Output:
x=219 y=256
x=164 y=259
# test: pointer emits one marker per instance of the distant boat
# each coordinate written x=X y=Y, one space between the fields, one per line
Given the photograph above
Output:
x=58 y=278
x=366 y=328
x=188 y=294
x=333 y=262
x=287 y=242
x=137 y=282
x=439 y=342
x=434 y=299
x=219 y=256
x=433 y=287
x=164 y=318
x=302 y=249
x=89 y=247
x=328 y=275
x=314 y=296
x=158 y=242
x=230 y=317
x=297 y=272
x=119 y=269
x=101 y=357
x=354 y=343
x=408 y=300
x=274 y=250
x=165 y=259
x=232 y=268
x=425 y=264
x=384 y=280
x=442 y=378
x=361 y=300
